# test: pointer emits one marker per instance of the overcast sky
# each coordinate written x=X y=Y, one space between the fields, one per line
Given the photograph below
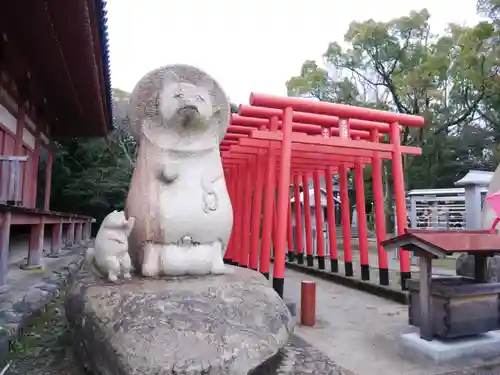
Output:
x=246 y=45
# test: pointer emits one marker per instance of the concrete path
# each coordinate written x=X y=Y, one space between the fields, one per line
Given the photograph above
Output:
x=360 y=332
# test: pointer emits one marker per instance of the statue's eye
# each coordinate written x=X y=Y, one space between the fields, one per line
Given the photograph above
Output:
x=179 y=95
x=200 y=98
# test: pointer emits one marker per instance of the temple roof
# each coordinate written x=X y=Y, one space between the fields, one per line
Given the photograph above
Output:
x=57 y=53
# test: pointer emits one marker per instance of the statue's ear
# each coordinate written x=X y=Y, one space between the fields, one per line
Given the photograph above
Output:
x=207 y=83
x=170 y=77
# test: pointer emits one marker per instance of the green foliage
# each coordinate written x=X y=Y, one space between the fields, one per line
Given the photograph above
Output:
x=91 y=176
x=400 y=65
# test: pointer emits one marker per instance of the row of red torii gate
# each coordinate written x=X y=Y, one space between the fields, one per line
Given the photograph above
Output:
x=276 y=141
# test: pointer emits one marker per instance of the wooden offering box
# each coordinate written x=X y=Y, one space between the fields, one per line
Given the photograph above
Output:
x=458 y=306
x=451 y=307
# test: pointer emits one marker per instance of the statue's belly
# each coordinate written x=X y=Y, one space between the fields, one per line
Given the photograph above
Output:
x=182 y=211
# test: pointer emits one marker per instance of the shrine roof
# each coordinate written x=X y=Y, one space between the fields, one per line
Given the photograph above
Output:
x=440 y=243
x=57 y=54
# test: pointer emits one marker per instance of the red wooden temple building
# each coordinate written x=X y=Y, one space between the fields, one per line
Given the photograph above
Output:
x=54 y=83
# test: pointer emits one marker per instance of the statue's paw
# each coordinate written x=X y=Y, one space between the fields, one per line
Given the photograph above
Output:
x=149 y=270
x=112 y=277
x=210 y=202
x=127 y=275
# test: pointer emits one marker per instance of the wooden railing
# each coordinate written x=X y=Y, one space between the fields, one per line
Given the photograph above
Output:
x=10 y=182
x=66 y=229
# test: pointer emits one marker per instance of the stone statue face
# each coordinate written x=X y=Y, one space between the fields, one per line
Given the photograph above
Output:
x=178 y=104
x=115 y=219
x=187 y=104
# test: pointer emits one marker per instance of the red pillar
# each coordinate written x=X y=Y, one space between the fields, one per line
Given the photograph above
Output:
x=18 y=151
x=332 y=229
x=275 y=221
x=320 y=241
x=307 y=220
x=298 y=219
x=345 y=211
x=378 y=202
x=246 y=213
x=34 y=166
x=238 y=213
x=257 y=211
x=48 y=180
x=399 y=195
x=231 y=181
x=21 y=123
x=289 y=233
x=267 y=220
x=283 y=200
x=362 y=225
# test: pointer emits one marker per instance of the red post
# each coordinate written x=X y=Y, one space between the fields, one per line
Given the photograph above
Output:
x=283 y=201
x=308 y=303
x=48 y=180
x=267 y=220
x=246 y=214
x=332 y=228
x=256 y=211
x=19 y=151
x=35 y=161
x=378 y=201
x=399 y=196
x=320 y=241
x=275 y=221
x=238 y=213
x=307 y=220
x=298 y=219
x=345 y=211
x=291 y=247
x=229 y=255
x=362 y=225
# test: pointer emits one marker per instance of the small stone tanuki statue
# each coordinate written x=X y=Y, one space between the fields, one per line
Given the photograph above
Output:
x=178 y=115
x=110 y=257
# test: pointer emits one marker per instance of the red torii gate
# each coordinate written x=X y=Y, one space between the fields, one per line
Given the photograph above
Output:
x=309 y=136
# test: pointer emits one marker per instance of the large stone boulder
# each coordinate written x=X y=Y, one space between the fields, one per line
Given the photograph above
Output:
x=220 y=324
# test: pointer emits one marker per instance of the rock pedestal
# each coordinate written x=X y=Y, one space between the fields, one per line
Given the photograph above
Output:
x=221 y=324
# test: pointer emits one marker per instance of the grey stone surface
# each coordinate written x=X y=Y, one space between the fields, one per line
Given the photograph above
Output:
x=28 y=292
x=292 y=306
x=224 y=324
x=300 y=358
x=483 y=346
x=465 y=267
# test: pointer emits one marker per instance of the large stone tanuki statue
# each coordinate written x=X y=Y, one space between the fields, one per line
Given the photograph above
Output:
x=182 y=217
x=178 y=196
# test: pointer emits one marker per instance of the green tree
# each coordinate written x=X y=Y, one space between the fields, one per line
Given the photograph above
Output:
x=93 y=174
x=402 y=66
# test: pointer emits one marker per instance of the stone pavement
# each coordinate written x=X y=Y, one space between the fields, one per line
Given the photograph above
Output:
x=360 y=332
